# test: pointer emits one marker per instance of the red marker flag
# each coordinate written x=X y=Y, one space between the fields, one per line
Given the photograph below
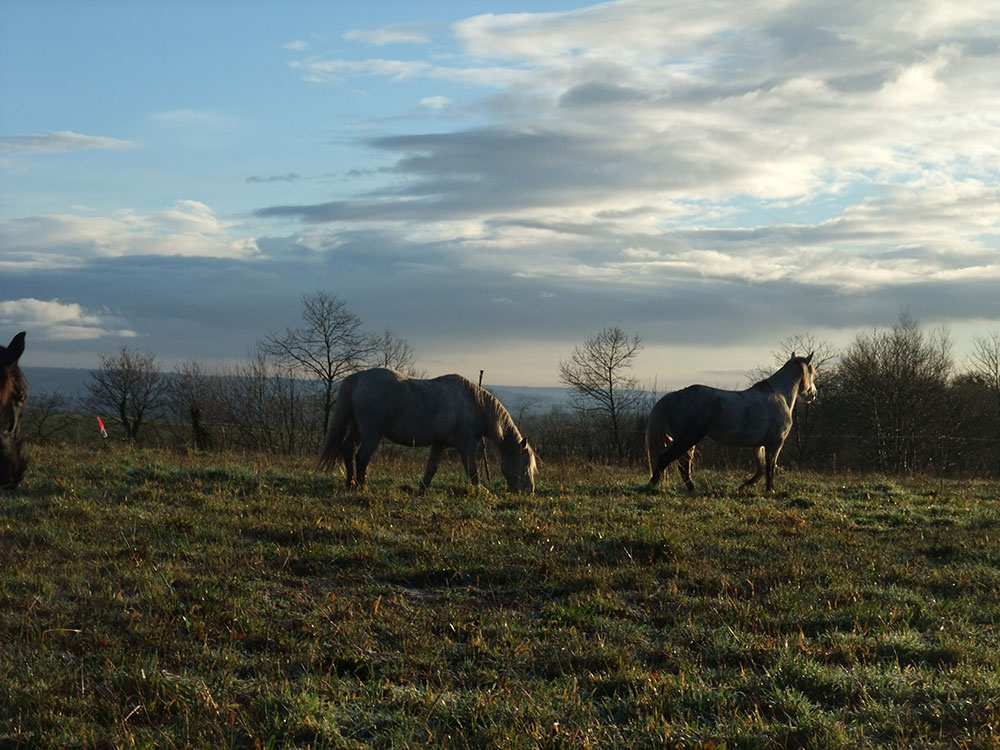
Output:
x=100 y=426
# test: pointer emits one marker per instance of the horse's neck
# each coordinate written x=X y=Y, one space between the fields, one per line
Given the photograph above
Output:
x=499 y=427
x=504 y=436
x=785 y=382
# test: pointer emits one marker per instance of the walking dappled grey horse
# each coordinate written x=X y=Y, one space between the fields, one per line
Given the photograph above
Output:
x=13 y=394
x=449 y=411
x=759 y=417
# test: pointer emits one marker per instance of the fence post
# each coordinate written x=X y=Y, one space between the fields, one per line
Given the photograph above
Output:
x=482 y=442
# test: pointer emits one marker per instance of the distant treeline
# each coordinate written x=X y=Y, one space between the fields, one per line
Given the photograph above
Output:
x=893 y=401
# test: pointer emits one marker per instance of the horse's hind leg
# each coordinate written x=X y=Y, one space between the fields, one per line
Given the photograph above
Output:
x=674 y=452
x=364 y=455
x=759 y=472
x=433 y=461
x=684 y=466
x=348 y=450
x=656 y=444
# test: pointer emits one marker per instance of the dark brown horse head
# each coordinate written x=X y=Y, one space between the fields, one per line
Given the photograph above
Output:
x=13 y=394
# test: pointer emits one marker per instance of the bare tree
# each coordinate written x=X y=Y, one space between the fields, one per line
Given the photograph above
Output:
x=824 y=355
x=46 y=415
x=191 y=395
x=329 y=346
x=390 y=351
x=128 y=386
x=263 y=406
x=985 y=362
x=893 y=390
x=597 y=374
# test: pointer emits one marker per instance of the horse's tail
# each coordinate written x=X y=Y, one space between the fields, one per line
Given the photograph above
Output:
x=658 y=435
x=337 y=430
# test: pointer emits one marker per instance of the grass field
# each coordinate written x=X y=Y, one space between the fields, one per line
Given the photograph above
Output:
x=155 y=600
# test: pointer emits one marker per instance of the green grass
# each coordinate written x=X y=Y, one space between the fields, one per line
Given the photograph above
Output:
x=155 y=600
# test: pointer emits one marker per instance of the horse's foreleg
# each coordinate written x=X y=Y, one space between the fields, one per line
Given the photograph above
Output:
x=433 y=460
x=772 y=465
x=759 y=471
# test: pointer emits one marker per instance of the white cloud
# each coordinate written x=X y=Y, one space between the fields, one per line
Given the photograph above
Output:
x=392 y=35
x=188 y=228
x=58 y=142
x=435 y=102
x=54 y=320
x=689 y=160
x=706 y=105
x=338 y=71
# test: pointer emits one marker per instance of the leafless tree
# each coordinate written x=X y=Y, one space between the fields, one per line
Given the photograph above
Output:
x=46 y=415
x=985 y=362
x=893 y=390
x=192 y=394
x=388 y=350
x=597 y=374
x=332 y=344
x=984 y=366
x=327 y=347
x=128 y=387
x=263 y=406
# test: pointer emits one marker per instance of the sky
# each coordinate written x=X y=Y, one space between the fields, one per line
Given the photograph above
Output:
x=497 y=181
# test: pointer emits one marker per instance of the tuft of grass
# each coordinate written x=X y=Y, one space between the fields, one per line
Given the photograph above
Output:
x=151 y=599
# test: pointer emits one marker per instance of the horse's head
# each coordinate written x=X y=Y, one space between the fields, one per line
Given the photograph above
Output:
x=519 y=467
x=13 y=394
x=807 y=385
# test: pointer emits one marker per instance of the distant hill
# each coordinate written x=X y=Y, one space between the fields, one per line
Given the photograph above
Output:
x=72 y=382
x=529 y=400
x=69 y=381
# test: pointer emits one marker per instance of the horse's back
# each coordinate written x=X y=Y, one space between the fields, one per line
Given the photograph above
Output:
x=687 y=413
x=412 y=411
x=738 y=418
x=370 y=389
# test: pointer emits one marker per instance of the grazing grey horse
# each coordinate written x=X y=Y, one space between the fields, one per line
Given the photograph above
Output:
x=449 y=411
x=13 y=394
x=759 y=417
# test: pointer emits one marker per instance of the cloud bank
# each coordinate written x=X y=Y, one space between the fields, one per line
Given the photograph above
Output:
x=844 y=150
x=53 y=320
x=58 y=142
x=703 y=173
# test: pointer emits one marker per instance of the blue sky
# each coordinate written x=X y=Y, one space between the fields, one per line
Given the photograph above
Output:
x=497 y=181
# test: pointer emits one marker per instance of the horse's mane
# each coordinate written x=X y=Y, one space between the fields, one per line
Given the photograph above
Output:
x=499 y=424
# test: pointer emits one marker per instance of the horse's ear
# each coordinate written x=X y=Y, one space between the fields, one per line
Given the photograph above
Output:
x=793 y=356
x=14 y=350
x=809 y=359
